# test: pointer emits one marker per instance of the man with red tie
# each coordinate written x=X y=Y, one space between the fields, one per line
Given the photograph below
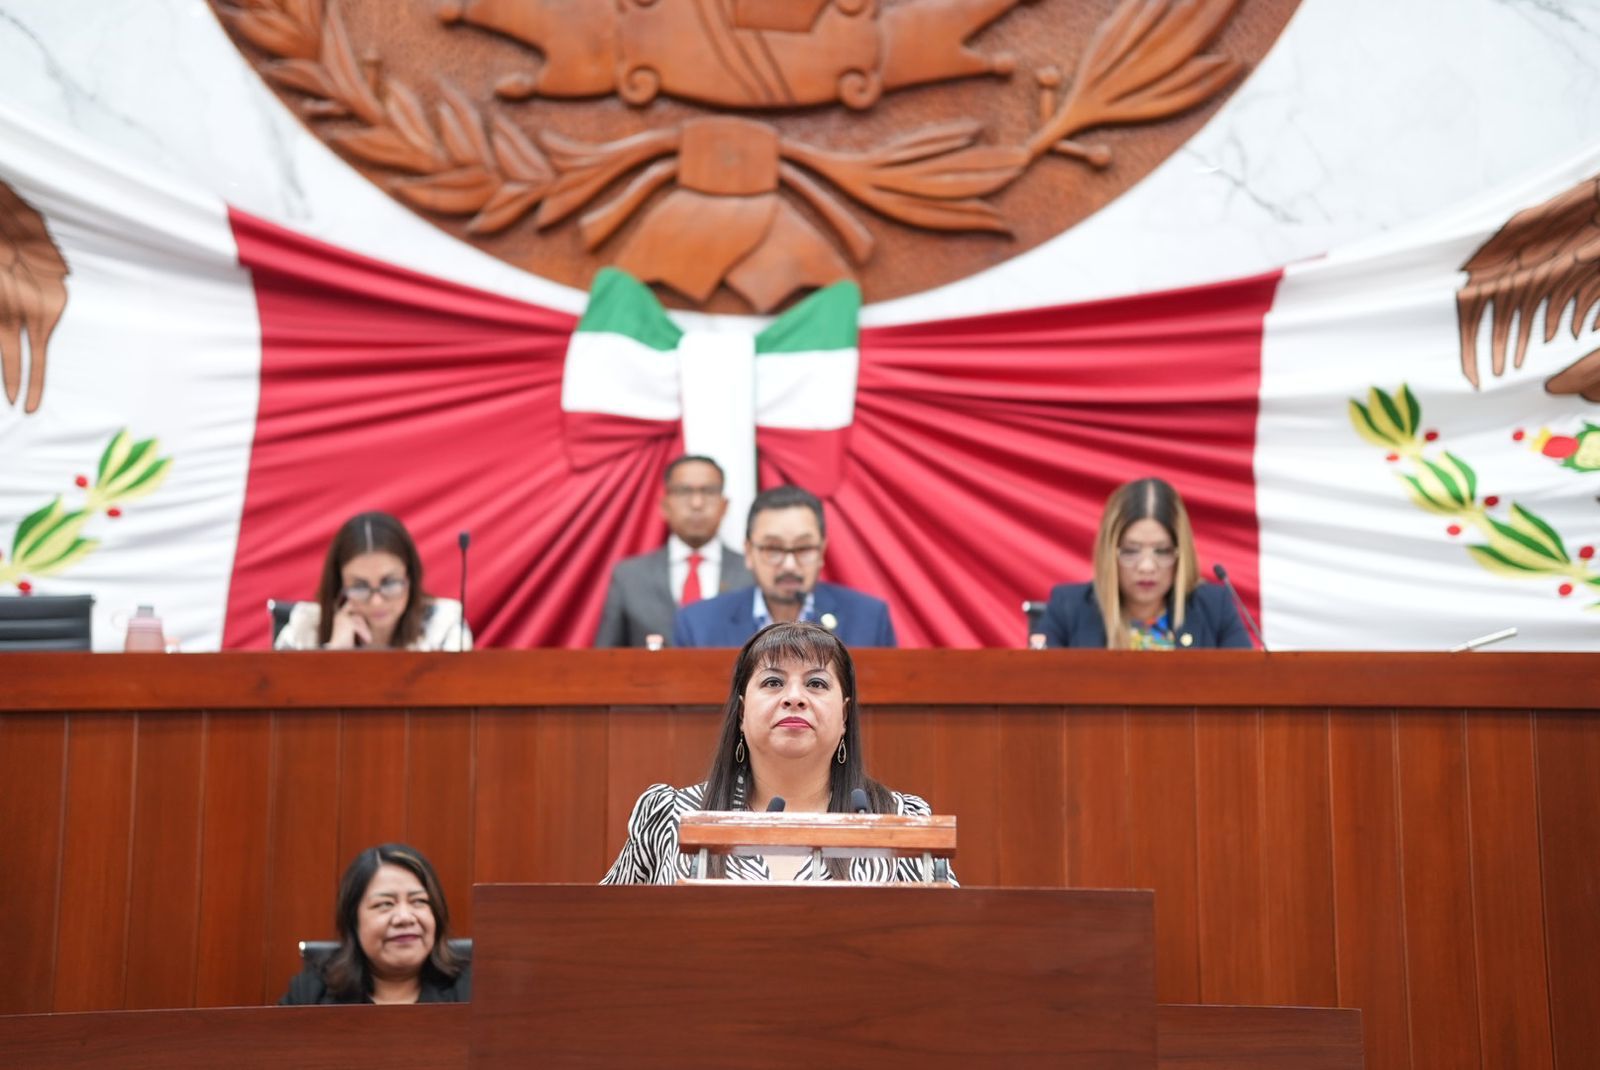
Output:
x=647 y=590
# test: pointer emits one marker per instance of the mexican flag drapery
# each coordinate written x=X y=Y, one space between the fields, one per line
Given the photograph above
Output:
x=219 y=393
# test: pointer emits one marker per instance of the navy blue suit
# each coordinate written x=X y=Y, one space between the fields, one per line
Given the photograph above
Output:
x=729 y=619
x=1072 y=618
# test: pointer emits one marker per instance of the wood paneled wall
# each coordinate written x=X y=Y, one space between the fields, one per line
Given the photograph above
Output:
x=1414 y=835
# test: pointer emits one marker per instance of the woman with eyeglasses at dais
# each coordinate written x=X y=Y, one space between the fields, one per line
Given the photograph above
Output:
x=371 y=597
x=1147 y=592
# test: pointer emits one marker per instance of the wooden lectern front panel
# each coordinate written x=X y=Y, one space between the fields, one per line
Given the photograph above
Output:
x=430 y=1037
x=736 y=976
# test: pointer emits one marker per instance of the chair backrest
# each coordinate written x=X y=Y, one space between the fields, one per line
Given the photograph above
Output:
x=314 y=951
x=1033 y=612
x=279 y=612
x=45 y=622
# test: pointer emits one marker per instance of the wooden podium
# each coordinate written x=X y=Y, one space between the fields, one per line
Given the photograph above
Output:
x=728 y=974
x=714 y=973
x=717 y=973
x=745 y=975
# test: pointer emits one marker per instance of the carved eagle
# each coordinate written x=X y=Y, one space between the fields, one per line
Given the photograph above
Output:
x=1545 y=257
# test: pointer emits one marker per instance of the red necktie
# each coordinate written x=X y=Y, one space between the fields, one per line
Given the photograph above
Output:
x=691 y=582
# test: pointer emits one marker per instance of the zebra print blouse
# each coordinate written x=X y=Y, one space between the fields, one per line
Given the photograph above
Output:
x=651 y=855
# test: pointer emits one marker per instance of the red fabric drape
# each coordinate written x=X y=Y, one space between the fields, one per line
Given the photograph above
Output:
x=384 y=389
x=984 y=448
x=972 y=478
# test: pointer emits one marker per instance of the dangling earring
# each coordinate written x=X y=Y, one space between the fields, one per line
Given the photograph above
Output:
x=738 y=751
x=842 y=751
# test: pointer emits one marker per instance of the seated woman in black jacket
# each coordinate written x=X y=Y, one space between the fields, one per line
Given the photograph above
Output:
x=394 y=942
x=1147 y=592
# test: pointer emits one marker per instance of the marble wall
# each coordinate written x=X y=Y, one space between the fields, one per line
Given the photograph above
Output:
x=1367 y=115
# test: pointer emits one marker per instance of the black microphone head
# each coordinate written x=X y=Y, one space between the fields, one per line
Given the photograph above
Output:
x=463 y=539
x=776 y=805
x=1220 y=572
x=858 y=801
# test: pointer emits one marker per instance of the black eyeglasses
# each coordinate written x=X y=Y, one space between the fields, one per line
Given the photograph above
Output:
x=774 y=555
x=391 y=588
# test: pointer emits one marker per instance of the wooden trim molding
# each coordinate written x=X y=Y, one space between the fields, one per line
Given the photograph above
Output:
x=607 y=678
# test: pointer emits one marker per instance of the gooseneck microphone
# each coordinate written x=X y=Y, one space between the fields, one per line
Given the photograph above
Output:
x=858 y=801
x=463 y=540
x=1244 y=610
x=776 y=804
x=1484 y=640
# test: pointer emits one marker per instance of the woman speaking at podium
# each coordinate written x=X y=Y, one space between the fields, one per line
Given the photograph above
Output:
x=1147 y=592
x=791 y=730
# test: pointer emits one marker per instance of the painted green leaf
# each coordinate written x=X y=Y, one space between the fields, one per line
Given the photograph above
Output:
x=30 y=523
x=1361 y=420
x=52 y=540
x=1464 y=473
x=1413 y=410
x=147 y=481
x=131 y=464
x=1391 y=412
x=77 y=550
x=114 y=453
x=1447 y=482
x=1422 y=498
x=1499 y=563
x=1533 y=527
x=1385 y=417
x=1518 y=547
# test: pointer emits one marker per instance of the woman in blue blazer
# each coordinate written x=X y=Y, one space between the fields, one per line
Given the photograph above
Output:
x=1147 y=592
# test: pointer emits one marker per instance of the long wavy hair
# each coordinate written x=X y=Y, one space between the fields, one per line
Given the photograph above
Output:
x=367 y=533
x=729 y=783
x=346 y=972
x=1143 y=499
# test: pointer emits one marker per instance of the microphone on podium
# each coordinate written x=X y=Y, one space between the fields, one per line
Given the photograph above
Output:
x=1244 y=610
x=1484 y=640
x=776 y=804
x=463 y=540
x=858 y=801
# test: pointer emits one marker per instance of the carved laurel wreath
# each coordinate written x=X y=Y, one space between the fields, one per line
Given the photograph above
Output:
x=1143 y=64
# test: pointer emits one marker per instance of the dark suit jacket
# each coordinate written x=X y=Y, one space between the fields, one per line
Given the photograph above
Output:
x=307 y=987
x=728 y=620
x=1072 y=618
x=641 y=601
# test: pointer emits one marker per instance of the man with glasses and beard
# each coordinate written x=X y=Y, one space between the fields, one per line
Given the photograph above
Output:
x=647 y=590
x=785 y=539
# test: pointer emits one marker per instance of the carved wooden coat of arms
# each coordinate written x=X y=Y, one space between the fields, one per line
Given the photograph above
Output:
x=740 y=152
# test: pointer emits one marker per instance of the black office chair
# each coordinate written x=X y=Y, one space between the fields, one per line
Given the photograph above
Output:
x=279 y=612
x=45 y=622
x=314 y=951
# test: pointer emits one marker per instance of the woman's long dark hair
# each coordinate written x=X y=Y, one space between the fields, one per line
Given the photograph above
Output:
x=730 y=782
x=367 y=533
x=346 y=972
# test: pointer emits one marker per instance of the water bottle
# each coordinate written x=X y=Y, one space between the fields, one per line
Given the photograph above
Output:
x=145 y=634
